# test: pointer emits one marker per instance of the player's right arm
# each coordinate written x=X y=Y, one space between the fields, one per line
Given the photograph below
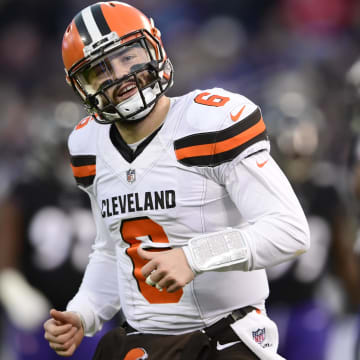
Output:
x=64 y=332
x=97 y=299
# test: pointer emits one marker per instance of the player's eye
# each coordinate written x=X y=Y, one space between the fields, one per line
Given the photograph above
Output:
x=128 y=58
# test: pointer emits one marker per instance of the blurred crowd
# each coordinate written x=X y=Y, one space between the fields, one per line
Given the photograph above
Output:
x=299 y=60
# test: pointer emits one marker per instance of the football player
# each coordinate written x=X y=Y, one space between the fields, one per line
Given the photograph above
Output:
x=189 y=205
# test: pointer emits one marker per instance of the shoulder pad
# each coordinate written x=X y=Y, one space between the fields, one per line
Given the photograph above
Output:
x=219 y=125
x=82 y=148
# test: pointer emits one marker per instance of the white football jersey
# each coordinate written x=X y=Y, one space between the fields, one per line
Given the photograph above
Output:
x=180 y=186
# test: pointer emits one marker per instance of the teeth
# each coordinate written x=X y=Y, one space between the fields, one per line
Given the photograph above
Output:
x=127 y=88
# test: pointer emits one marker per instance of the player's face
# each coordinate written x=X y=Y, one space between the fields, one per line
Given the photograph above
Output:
x=115 y=67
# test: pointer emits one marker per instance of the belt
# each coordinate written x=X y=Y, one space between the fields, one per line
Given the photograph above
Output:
x=214 y=330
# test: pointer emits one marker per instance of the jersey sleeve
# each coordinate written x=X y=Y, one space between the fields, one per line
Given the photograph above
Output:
x=97 y=299
x=277 y=229
x=274 y=228
x=227 y=144
x=82 y=149
x=220 y=126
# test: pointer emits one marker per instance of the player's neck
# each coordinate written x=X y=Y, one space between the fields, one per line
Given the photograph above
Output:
x=133 y=132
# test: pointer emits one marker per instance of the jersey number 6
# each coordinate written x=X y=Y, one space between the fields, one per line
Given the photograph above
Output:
x=205 y=98
x=143 y=226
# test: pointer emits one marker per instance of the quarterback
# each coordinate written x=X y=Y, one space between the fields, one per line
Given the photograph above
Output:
x=189 y=205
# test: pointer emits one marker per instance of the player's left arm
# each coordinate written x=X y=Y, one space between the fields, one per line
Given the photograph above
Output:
x=276 y=229
x=236 y=155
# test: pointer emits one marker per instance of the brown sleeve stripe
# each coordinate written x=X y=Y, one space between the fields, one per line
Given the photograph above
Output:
x=221 y=146
x=84 y=169
x=211 y=149
x=214 y=136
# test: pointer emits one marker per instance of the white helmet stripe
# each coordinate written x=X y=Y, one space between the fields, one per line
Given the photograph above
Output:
x=90 y=24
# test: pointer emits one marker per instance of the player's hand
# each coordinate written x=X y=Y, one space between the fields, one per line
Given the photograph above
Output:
x=169 y=269
x=64 y=332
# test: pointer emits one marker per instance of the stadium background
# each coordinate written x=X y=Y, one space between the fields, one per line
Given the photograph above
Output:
x=297 y=59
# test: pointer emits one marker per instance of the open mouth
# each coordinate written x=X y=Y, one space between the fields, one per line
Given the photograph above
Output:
x=125 y=91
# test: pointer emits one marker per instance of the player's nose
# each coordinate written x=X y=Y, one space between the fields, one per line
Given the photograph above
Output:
x=120 y=70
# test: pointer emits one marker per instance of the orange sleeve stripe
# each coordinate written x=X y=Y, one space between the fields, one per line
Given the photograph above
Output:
x=83 y=171
x=221 y=146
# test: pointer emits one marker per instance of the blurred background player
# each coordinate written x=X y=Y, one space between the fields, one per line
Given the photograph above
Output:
x=46 y=235
x=316 y=297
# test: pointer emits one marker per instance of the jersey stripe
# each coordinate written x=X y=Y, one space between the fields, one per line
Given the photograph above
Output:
x=221 y=146
x=213 y=148
x=215 y=160
x=84 y=169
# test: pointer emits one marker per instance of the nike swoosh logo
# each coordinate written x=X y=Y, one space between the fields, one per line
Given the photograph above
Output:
x=260 y=165
x=220 y=347
x=236 y=117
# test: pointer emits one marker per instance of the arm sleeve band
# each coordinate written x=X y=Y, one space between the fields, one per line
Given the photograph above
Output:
x=217 y=250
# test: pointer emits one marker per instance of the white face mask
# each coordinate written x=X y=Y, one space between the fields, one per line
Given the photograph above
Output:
x=135 y=103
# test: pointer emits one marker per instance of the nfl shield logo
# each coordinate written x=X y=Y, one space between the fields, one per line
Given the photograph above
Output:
x=130 y=176
x=259 y=335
